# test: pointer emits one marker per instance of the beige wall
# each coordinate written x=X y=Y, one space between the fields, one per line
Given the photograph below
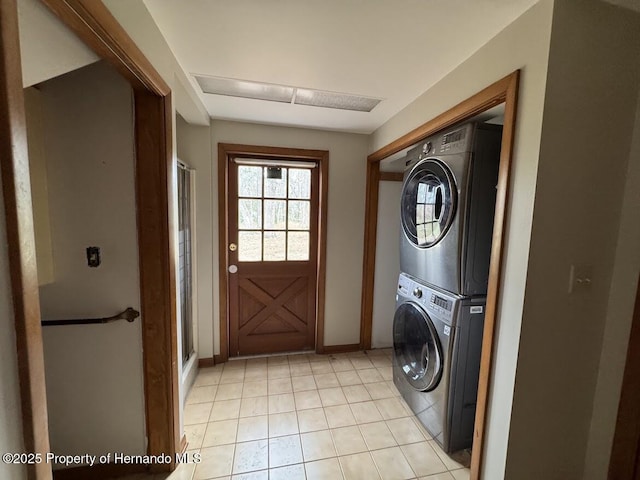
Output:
x=590 y=108
x=345 y=231
x=94 y=373
x=624 y=280
x=524 y=44
x=10 y=413
x=387 y=264
x=47 y=47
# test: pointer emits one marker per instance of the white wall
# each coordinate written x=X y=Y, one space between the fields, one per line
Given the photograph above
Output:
x=10 y=412
x=387 y=264
x=345 y=230
x=47 y=47
x=522 y=45
x=94 y=373
x=624 y=280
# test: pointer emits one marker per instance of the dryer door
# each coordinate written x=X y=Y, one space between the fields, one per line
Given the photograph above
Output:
x=428 y=202
x=417 y=347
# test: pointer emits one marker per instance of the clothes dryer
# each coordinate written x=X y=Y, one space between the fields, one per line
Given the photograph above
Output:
x=447 y=208
x=437 y=341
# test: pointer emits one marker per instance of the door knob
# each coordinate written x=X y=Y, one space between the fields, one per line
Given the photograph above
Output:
x=233 y=247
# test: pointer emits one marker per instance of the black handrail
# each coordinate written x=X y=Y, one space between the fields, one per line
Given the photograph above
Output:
x=129 y=315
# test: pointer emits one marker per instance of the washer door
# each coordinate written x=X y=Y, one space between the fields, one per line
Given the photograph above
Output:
x=429 y=198
x=417 y=347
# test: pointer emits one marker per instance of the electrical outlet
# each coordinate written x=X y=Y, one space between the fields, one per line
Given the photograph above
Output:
x=580 y=277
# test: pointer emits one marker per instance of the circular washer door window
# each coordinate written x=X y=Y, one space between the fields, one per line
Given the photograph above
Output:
x=416 y=347
x=428 y=203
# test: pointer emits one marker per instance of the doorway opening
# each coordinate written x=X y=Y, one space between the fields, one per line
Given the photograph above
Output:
x=272 y=249
x=503 y=92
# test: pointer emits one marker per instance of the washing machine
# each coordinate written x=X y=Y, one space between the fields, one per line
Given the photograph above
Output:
x=437 y=341
x=447 y=208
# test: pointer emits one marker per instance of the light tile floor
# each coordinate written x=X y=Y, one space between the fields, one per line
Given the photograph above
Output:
x=308 y=416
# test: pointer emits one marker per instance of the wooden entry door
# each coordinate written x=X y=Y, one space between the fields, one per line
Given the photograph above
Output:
x=273 y=255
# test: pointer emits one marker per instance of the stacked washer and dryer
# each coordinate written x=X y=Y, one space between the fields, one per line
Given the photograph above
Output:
x=447 y=209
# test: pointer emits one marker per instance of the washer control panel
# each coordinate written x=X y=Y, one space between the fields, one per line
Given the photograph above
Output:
x=431 y=300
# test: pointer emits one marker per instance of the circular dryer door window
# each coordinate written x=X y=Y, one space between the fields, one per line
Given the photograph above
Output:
x=416 y=347
x=428 y=203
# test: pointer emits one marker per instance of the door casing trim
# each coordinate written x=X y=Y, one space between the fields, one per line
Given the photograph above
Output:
x=504 y=91
x=225 y=152
x=92 y=22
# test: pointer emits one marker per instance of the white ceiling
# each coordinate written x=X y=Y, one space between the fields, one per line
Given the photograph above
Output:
x=389 y=49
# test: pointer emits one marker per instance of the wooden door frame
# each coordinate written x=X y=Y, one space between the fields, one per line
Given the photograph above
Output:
x=625 y=452
x=226 y=151
x=504 y=91
x=92 y=22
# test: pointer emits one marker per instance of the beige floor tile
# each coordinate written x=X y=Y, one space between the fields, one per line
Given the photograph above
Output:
x=461 y=474
x=420 y=426
x=423 y=459
x=326 y=380
x=392 y=388
x=197 y=413
x=216 y=462
x=280 y=385
x=278 y=371
x=235 y=363
x=321 y=367
x=278 y=360
x=348 y=440
x=365 y=412
x=303 y=383
x=307 y=399
x=391 y=408
x=202 y=394
x=381 y=361
x=259 y=475
x=339 y=416
x=327 y=469
x=220 y=433
x=377 y=435
x=438 y=476
x=404 y=430
x=356 y=393
x=341 y=365
x=317 y=445
x=360 y=363
x=233 y=375
x=251 y=456
x=300 y=358
x=392 y=465
x=312 y=420
x=359 y=467
x=454 y=461
x=290 y=472
x=285 y=451
x=257 y=361
x=195 y=435
x=300 y=369
x=281 y=424
x=255 y=374
x=225 y=410
x=349 y=377
x=208 y=376
x=281 y=403
x=253 y=428
x=379 y=390
x=184 y=471
x=229 y=391
x=370 y=375
x=250 y=407
x=386 y=373
x=255 y=389
x=332 y=396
